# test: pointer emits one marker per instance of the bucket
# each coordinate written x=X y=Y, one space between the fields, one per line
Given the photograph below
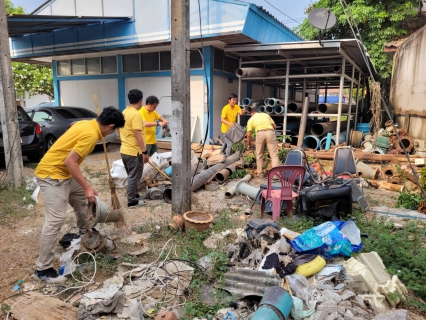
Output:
x=99 y=212
x=198 y=220
x=364 y=127
x=275 y=305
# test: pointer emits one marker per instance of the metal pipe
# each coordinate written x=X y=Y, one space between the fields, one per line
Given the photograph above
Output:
x=350 y=105
x=225 y=173
x=320 y=129
x=231 y=191
x=279 y=109
x=249 y=101
x=296 y=107
x=266 y=101
x=287 y=83
x=339 y=111
x=247 y=109
x=256 y=72
x=201 y=178
x=269 y=109
x=303 y=121
x=331 y=108
x=333 y=140
x=261 y=108
x=311 y=142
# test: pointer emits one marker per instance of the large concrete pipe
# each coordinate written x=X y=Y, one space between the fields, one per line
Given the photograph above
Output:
x=201 y=178
x=257 y=72
x=167 y=195
x=296 y=107
x=332 y=108
x=311 y=142
x=321 y=129
x=266 y=102
x=261 y=108
x=269 y=109
x=276 y=102
x=247 y=109
x=249 y=101
x=225 y=173
x=279 y=109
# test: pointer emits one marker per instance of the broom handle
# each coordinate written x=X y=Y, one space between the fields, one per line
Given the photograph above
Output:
x=159 y=170
x=103 y=139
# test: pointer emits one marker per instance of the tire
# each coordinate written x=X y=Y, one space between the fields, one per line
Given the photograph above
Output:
x=50 y=140
x=34 y=157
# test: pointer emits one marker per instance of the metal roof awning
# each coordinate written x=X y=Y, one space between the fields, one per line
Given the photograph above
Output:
x=305 y=56
x=19 y=25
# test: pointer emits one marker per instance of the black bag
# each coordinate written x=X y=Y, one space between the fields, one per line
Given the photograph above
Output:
x=329 y=199
x=236 y=133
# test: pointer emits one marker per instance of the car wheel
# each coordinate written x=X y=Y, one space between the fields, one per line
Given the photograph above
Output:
x=34 y=158
x=50 y=140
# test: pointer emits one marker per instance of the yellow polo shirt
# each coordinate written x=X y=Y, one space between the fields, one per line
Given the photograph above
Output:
x=260 y=121
x=81 y=137
x=129 y=145
x=229 y=114
x=149 y=131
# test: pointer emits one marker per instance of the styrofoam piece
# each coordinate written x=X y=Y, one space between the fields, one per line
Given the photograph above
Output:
x=34 y=195
x=362 y=275
x=119 y=174
x=375 y=264
x=377 y=300
x=389 y=289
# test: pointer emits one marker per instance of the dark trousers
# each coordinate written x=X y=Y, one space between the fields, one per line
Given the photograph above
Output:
x=134 y=169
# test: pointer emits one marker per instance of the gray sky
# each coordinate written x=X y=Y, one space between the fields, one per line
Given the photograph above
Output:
x=293 y=9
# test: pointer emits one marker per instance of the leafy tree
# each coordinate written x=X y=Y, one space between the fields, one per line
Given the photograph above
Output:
x=378 y=23
x=32 y=78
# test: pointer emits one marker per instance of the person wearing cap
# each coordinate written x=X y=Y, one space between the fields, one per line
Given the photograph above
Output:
x=264 y=127
x=228 y=118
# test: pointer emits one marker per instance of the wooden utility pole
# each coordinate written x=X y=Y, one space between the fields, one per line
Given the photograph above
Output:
x=8 y=111
x=181 y=121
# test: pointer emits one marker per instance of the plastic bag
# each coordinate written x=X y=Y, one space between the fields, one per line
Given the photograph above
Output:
x=301 y=288
x=236 y=133
x=67 y=265
x=297 y=312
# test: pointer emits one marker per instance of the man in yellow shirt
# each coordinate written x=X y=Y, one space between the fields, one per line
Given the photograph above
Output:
x=62 y=183
x=264 y=126
x=151 y=120
x=133 y=150
x=228 y=117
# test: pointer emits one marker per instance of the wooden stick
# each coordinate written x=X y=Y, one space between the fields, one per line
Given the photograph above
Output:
x=103 y=139
x=159 y=171
x=387 y=186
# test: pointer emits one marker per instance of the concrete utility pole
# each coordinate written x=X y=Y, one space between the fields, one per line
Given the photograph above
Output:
x=8 y=111
x=181 y=121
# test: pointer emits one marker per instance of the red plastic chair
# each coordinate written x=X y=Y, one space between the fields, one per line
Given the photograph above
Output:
x=287 y=175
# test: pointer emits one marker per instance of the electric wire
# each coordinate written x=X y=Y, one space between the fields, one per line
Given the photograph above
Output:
x=281 y=11
x=361 y=46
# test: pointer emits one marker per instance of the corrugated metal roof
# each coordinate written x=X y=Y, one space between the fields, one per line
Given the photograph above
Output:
x=19 y=25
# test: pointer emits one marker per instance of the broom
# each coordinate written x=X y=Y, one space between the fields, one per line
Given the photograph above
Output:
x=115 y=203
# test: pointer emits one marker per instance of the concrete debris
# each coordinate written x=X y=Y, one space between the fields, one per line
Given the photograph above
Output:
x=400 y=314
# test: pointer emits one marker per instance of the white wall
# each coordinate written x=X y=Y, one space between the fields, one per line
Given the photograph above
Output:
x=35 y=100
x=79 y=93
x=161 y=87
x=221 y=91
x=108 y=8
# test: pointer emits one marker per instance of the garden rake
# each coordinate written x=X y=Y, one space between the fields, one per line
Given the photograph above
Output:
x=115 y=203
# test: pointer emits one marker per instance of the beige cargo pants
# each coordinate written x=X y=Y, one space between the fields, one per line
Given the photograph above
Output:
x=266 y=138
x=57 y=194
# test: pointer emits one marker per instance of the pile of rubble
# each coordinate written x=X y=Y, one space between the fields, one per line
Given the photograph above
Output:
x=315 y=268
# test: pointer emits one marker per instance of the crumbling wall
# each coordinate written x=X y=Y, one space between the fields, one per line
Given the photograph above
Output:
x=408 y=87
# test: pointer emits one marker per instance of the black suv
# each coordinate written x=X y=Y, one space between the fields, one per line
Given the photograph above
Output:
x=31 y=138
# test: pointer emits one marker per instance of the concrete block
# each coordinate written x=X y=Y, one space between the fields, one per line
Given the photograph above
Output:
x=333 y=316
x=400 y=314
x=328 y=295
x=392 y=286
x=362 y=275
x=347 y=294
x=357 y=311
x=375 y=264
x=376 y=300
x=348 y=315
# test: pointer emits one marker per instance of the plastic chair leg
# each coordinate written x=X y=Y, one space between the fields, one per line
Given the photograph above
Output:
x=289 y=208
x=276 y=209
x=262 y=207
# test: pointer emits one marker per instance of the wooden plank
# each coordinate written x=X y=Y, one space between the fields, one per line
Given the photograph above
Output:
x=166 y=145
x=36 y=306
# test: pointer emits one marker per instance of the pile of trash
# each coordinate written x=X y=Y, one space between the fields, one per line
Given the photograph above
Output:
x=319 y=277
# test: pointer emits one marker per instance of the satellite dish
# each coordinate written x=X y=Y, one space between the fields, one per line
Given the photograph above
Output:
x=322 y=18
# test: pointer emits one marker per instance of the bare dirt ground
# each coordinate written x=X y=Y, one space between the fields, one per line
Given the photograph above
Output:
x=19 y=239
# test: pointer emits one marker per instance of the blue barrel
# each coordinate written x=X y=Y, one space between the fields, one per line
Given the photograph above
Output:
x=364 y=127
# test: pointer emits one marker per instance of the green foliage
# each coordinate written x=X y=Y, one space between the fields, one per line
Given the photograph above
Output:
x=240 y=146
x=251 y=158
x=238 y=174
x=409 y=200
x=13 y=203
x=378 y=22
x=32 y=78
x=282 y=155
x=283 y=138
x=11 y=9
x=423 y=178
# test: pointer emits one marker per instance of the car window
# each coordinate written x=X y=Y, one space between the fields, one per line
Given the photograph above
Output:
x=40 y=116
x=22 y=115
x=74 y=113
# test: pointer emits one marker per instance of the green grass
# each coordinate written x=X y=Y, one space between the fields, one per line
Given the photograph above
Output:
x=13 y=203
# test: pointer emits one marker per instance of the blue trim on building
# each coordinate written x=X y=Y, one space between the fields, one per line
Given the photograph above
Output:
x=56 y=88
x=121 y=85
x=208 y=65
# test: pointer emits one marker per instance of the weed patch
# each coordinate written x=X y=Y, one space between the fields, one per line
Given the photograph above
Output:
x=13 y=203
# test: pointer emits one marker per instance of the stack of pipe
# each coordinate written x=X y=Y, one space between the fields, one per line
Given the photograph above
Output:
x=249 y=101
x=332 y=108
x=296 y=107
x=257 y=72
x=321 y=129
